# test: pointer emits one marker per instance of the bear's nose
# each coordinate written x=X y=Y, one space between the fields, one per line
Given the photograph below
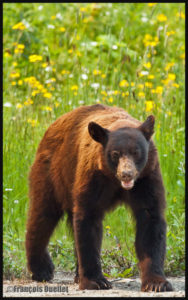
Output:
x=128 y=175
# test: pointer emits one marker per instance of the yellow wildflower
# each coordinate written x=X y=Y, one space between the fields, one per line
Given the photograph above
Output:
x=103 y=75
x=153 y=91
x=161 y=18
x=159 y=90
x=125 y=94
x=75 y=93
x=148 y=84
x=168 y=33
x=141 y=94
x=169 y=113
x=147 y=65
x=15 y=64
x=151 y=76
x=14 y=74
x=28 y=102
x=169 y=65
x=171 y=76
x=74 y=88
x=96 y=72
x=104 y=93
x=151 y=4
x=44 y=65
x=70 y=51
x=20 y=82
x=52 y=88
x=62 y=29
x=47 y=95
x=19 y=26
x=47 y=108
x=116 y=92
x=57 y=104
x=19 y=105
x=132 y=84
x=65 y=72
x=13 y=82
x=181 y=15
x=35 y=92
x=182 y=56
x=107 y=227
x=7 y=54
x=123 y=83
x=176 y=85
x=32 y=122
x=53 y=17
x=35 y=58
x=140 y=86
x=111 y=99
x=149 y=105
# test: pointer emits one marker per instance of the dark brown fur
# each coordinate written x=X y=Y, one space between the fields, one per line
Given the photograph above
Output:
x=70 y=175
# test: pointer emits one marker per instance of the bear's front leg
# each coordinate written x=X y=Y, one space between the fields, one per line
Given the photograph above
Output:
x=148 y=203
x=88 y=238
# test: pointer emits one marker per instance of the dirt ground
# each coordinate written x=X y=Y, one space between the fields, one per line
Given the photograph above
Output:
x=63 y=286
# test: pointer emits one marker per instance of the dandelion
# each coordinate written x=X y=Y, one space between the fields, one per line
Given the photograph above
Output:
x=116 y=92
x=151 y=76
x=111 y=99
x=159 y=90
x=151 y=4
x=104 y=93
x=57 y=104
x=123 y=83
x=149 y=105
x=176 y=85
x=125 y=94
x=19 y=26
x=74 y=88
x=53 y=17
x=19 y=48
x=103 y=75
x=63 y=72
x=15 y=64
x=182 y=56
x=171 y=76
x=107 y=227
x=14 y=75
x=44 y=65
x=168 y=33
x=147 y=65
x=7 y=54
x=169 y=65
x=141 y=95
x=96 y=72
x=148 y=84
x=70 y=51
x=47 y=108
x=161 y=18
x=140 y=86
x=47 y=95
x=32 y=122
x=19 y=105
x=35 y=58
x=13 y=82
x=20 y=82
x=181 y=15
x=62 y=29
x=28 y=102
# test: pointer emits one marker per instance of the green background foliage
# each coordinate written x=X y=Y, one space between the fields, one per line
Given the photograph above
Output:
x=58 y=56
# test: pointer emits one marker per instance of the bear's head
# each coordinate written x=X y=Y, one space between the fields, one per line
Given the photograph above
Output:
x=125 y=149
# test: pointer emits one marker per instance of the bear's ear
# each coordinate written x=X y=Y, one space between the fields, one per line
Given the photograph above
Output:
x=147 y=128
x=98 y=133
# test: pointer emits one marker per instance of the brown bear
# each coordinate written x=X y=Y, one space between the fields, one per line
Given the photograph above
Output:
x=90 y=160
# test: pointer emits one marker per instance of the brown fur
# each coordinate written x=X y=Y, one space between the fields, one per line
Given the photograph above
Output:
x=68 y=166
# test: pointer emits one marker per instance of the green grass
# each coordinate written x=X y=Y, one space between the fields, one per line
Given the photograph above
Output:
x=79 y=45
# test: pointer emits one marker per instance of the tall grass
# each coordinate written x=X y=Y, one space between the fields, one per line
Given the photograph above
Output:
x=125 y=54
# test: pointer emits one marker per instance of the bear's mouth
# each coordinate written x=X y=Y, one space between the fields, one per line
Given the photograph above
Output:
x=127 y=185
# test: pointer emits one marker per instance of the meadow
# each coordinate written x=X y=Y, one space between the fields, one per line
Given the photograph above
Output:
x=59 y=56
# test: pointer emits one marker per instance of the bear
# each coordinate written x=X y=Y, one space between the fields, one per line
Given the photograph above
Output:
x=90 y=160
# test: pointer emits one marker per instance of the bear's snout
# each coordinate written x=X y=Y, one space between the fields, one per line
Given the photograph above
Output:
x=126 y=172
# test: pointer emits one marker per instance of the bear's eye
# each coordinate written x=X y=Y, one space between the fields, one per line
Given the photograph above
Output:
x=136 y=152
x=115 y=155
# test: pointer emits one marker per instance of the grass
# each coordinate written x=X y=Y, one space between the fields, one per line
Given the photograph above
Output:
x=127 y=54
